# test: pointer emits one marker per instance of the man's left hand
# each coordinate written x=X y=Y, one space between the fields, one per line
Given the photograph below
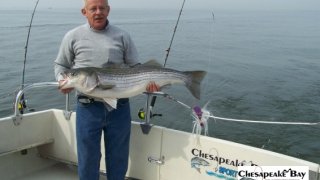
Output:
x=152 y=87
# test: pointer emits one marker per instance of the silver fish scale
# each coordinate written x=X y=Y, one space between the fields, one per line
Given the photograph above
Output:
x=125 y=78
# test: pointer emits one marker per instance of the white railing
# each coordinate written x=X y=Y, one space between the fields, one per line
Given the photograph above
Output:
x=17 y=117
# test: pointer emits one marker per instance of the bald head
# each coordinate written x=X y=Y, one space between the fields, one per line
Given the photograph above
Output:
x=96 y=12
x=85 y=2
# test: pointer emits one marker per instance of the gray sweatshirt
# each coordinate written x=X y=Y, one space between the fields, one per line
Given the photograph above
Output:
x=86 y=47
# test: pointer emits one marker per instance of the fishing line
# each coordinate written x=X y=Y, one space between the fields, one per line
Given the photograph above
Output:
x=201 y=115
x=22 y=103
x=210 y=52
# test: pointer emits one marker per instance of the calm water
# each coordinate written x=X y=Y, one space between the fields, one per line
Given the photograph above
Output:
x=261 y=66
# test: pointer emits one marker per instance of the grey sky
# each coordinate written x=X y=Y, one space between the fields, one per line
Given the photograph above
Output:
x=174 y=4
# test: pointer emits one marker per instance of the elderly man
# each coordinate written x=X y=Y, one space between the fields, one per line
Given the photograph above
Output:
x=92 y=45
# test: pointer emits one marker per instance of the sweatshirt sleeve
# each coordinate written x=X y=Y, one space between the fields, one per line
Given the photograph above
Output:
x=131 y=54
x=65 y=57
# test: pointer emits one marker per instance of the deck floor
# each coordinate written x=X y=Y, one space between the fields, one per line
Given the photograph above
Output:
x=59 y=171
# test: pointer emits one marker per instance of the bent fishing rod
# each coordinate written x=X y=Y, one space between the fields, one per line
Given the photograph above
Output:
x=22 y=104
x=153 y=101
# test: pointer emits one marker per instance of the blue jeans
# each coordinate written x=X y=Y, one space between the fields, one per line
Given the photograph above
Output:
x=91 y=120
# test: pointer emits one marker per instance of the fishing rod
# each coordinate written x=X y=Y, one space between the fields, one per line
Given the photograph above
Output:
x=22 y=104
x=173 y=35
x=153 y=101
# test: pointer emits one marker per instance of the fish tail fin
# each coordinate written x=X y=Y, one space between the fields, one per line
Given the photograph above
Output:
x=194 y=82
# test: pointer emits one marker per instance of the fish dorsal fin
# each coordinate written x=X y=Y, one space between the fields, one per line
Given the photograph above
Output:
x=152 y=63
x=112 y=102
x=107 y=66
x=114 y=65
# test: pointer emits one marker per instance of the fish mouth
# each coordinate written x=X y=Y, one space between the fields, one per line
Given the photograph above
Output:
x=62 y=83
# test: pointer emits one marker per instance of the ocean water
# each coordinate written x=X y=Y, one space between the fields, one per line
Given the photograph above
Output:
x=262 y=65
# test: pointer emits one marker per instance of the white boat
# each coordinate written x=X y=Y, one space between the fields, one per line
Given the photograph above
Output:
x=42 y=145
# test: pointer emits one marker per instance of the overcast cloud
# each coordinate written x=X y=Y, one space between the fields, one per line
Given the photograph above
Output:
x=174 y=4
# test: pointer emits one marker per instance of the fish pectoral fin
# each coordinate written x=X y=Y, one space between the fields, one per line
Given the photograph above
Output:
x=112 y=102
x=90 y=83
x=106 y=86
x=89 y=90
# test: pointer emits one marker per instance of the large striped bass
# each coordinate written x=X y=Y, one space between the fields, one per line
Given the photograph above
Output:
x=118 y=81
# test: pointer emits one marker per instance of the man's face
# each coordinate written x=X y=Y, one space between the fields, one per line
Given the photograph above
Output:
x=96 y=12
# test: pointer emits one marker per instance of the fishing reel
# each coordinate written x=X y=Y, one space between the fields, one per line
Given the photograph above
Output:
x=142 y=114
x=22 y=106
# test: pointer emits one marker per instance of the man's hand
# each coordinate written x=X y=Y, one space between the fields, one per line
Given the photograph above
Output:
x=64 y=91
x=152 y=87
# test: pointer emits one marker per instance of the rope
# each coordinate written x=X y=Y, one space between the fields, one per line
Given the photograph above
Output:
x=207 y=115
x=265 y=122
x=210 y=115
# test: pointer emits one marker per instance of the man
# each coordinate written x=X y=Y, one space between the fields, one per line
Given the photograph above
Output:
x=94 y=45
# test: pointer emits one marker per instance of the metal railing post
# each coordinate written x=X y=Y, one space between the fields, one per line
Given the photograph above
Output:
x=146 y=127
x=67 y=113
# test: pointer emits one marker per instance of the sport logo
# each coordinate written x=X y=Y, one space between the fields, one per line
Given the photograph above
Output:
x=197 y=162
x=273 y=172
x=210 y=163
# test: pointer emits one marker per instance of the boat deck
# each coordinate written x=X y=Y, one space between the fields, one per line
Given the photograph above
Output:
x=46 y=169
x=32 y=166
x=43 y=147
x=58 y=171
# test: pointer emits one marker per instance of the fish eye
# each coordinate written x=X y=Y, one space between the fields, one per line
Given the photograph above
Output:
x=73 y=73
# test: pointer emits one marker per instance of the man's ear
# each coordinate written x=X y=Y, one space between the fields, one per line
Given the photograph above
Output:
x=108 y=8
x=83 y=11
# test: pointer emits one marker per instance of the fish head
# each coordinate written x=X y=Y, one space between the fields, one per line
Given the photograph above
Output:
x=81 y=79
